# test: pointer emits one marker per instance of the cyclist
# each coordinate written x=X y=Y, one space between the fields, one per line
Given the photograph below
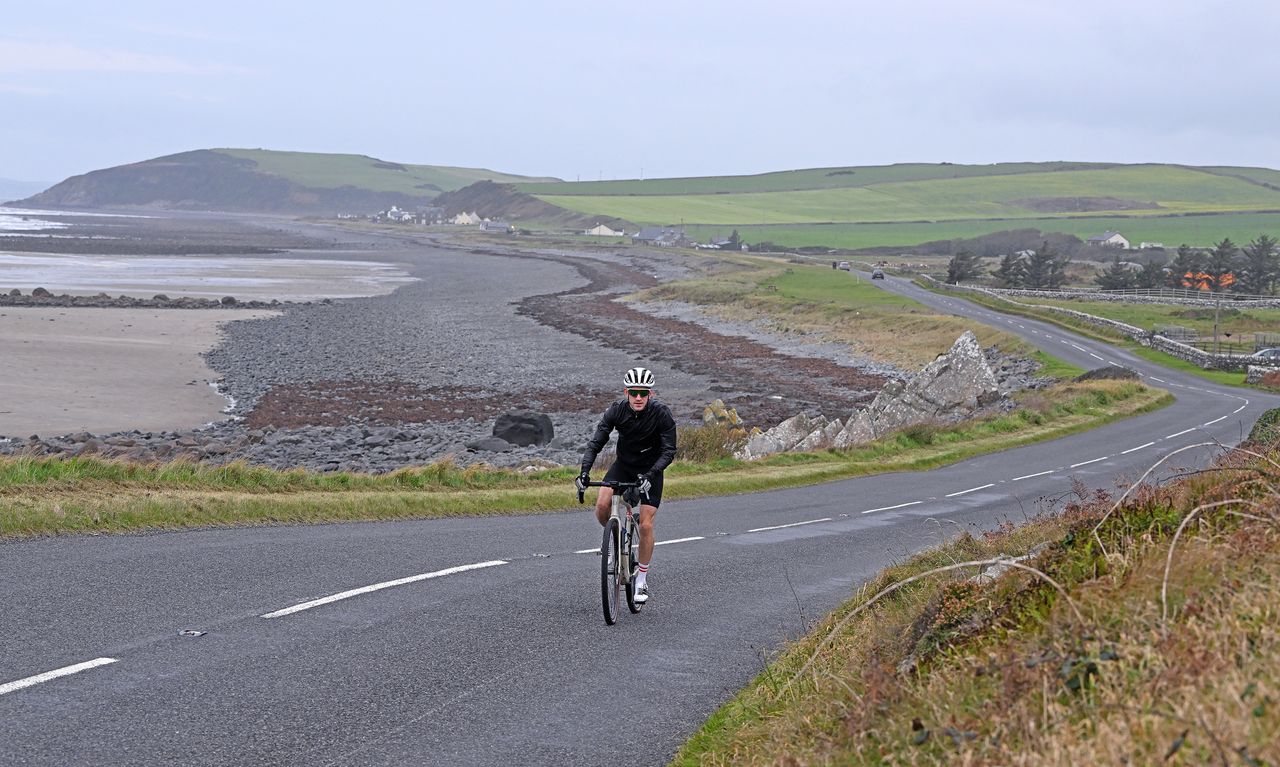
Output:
x=646 y=446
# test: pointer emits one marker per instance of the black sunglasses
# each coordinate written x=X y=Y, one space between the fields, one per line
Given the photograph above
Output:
x=638 y=392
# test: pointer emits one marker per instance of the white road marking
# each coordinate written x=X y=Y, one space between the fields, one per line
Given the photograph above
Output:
x=379 y=586
x=1157 y=380
x=890 y=508
x=1136 y=449
x=1211 y=423
x=1179 y=434
x=1242 y=407
x=1086 y=463
x=587 y=551
x=1096 y=357
x=793 y=524
x=680 y=540
x=1029 y=476
x=970 y=490
x=9 y=687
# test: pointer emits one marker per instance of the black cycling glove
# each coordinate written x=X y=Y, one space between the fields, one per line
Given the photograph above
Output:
x=646 y=483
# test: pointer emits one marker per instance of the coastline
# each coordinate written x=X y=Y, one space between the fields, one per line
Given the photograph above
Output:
x=109 y=370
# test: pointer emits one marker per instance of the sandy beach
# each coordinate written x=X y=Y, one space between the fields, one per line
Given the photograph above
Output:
x=105 y=370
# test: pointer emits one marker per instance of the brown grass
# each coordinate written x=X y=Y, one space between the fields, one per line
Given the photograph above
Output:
x=943 y=670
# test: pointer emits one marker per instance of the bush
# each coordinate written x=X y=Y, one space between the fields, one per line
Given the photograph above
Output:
x=704 y=444
x=1267 y=428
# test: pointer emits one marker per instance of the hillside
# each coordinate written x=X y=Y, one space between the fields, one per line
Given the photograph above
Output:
x=902 y=205
x=261 y=180
x=504 y=202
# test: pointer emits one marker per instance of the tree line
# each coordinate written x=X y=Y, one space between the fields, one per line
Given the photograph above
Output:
x=1254 y=269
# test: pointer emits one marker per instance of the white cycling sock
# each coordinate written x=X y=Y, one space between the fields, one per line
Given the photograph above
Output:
x=642 y=573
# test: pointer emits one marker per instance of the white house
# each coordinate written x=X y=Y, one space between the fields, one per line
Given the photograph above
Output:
x=1109 y=240
x=601 y=230
x=466 y=219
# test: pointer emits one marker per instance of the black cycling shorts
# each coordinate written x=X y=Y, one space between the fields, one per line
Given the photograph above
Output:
x=620 y=473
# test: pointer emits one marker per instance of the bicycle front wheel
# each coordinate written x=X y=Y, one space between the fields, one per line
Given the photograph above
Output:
x=610 y=578
x=633 y=541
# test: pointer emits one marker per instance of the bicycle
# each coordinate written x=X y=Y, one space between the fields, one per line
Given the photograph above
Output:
x=619 y=549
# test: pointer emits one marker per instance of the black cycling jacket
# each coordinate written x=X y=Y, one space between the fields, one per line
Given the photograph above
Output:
x=646 y=440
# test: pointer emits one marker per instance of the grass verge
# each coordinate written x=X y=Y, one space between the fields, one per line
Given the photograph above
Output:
x=1141 y=631
x=831 y=304
x=44 y=496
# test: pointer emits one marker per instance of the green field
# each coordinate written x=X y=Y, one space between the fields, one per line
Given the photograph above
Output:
x=1200 y=230
x=331 y=171
x=1167 y=189
x=792 y=180
x=904 y=205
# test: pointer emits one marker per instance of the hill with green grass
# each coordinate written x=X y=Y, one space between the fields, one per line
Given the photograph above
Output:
x=907 y=204
x=263 y=180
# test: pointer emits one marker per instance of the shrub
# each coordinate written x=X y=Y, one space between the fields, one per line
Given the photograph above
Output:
x=1267 y=428
x=703 y=444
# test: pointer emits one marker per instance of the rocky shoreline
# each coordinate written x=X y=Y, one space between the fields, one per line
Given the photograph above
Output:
x=41 y=297
x=376 y=384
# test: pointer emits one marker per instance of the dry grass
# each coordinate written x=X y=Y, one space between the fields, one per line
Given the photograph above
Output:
x=821 y=303
x=943 y=670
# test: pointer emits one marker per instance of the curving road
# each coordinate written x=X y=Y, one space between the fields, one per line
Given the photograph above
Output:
x=480 y=641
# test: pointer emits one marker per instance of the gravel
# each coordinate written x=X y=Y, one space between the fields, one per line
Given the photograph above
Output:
x=411 y=377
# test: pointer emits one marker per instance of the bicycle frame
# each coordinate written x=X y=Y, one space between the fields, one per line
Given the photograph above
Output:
x=621 y=549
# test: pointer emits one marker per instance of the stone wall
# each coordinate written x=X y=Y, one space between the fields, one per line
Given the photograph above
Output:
x=1173 y=348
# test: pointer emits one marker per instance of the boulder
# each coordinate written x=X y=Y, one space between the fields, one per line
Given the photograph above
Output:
x=524 y=428
x=950 y=388
x=490 y=445
x=718 y=413
x=820 y=438
x=780 y=438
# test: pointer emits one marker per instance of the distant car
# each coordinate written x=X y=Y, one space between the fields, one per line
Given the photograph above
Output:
x=1267 y=355
x=844 y=265
x=877 y=274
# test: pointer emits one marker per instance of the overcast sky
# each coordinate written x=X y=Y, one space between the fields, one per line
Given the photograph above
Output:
x=618 y=90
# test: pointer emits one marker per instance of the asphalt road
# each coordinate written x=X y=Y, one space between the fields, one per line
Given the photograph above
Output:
x=507 y=660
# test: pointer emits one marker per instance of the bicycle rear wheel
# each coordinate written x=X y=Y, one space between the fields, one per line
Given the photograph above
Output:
x=610 y=579
x=633 y=541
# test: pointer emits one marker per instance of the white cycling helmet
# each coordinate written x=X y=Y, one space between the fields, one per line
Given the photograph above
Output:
x=638 y=377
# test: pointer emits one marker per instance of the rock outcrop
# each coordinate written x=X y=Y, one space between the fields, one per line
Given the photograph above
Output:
x=785 y=436
x=952 y=387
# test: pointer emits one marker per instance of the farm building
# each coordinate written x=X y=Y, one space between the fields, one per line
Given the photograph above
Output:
x=602 y=230
x=663 y=236
x=1109 y=240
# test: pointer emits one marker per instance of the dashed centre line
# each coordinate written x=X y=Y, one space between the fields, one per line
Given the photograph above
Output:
x=793 y=524
x=380 y=586
x=1211 y=423
x=971 y=490
x=30 y=681
x=1029 y=476
x=679 y=540
x=890 y=508
x=1086 y=463
x=1136 y=449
